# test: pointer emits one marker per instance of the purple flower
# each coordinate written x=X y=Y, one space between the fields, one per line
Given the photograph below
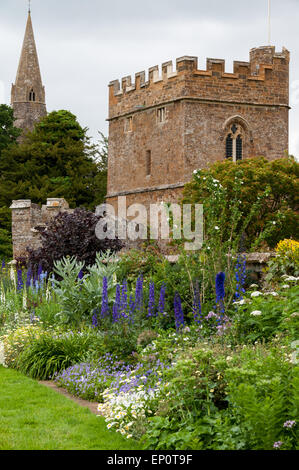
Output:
x=132 y=307
x=277 y=445
x=105 y=304
x=20 y=283
x=139 y=292
x=220 y=292
x=95 y=318
x=197 y=306
x=178 y=312
x=289 y=424
x=116 y=305
x=3 y=264
x=151 y=301
x=161 y=306
x=124 y=300
x=28 y=278
x=211 y=315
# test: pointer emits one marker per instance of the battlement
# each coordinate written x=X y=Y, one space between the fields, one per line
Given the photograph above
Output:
x=266 y=66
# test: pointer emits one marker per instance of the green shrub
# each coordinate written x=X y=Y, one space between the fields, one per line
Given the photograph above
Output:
x=224 y=399
x=49 y=354
x=245 y=182
x=121 y=341
x=78 y=298
x=268 y=314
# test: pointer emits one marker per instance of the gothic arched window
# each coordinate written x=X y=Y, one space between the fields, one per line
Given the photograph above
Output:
x=239 y=147
x=229 y=147
x=31 y=95
x=234 y=143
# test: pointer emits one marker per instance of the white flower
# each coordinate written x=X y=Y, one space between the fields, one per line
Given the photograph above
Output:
x=285 y=286
x=240 y=302
x=217 y=228
x=256 y=293
x=274 y=223
x=291 y=278
x=256 y=313
x=2 y=355
x=253 y=286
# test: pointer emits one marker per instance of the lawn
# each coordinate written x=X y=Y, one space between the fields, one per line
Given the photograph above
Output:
x=33 y=417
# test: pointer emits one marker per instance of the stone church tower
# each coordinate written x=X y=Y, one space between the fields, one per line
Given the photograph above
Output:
x=171 y=121
x=28 y=93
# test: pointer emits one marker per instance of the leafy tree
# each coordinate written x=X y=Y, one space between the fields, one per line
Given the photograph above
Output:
x=55 y=160
x=277 y=217
x=8 y=136
x=8 y=132
x=102 y=162
x=70 y=234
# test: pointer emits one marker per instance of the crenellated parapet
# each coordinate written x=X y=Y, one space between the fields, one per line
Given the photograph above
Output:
x=262 y=80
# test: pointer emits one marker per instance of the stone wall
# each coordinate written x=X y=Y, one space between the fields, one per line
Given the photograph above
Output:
x=28 y=219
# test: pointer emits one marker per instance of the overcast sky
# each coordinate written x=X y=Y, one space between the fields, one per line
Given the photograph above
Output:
x=83 y=45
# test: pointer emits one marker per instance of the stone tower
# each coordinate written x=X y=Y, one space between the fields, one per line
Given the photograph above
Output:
x=163 y=128
x=28 y=93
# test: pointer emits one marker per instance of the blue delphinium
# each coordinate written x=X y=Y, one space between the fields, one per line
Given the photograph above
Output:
x=95 y=318
x=178 y=312
x=116 y=306
x=20 y=283
x=197 y=306
x=124 y=299
x=220 y=291
x=132 y=307
x=28 y=278
x=161 y=306
x=139 y=293
x=105 y=300
x=240 y=274
x=3 y=265
x=43 y=276
x=151 y=300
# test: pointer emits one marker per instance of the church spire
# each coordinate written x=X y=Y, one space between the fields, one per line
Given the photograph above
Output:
x=28 y=92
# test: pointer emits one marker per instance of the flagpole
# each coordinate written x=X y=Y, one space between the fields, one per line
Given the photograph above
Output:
x=269 y=22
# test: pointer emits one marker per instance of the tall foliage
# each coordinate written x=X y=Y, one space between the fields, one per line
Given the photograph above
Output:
x=272 y=187
x=55 y=160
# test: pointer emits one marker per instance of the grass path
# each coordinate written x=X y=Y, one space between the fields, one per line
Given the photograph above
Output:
x=34 y=417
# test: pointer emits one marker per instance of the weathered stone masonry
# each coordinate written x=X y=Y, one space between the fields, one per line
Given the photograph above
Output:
x=28 y=219
x=162 y=129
